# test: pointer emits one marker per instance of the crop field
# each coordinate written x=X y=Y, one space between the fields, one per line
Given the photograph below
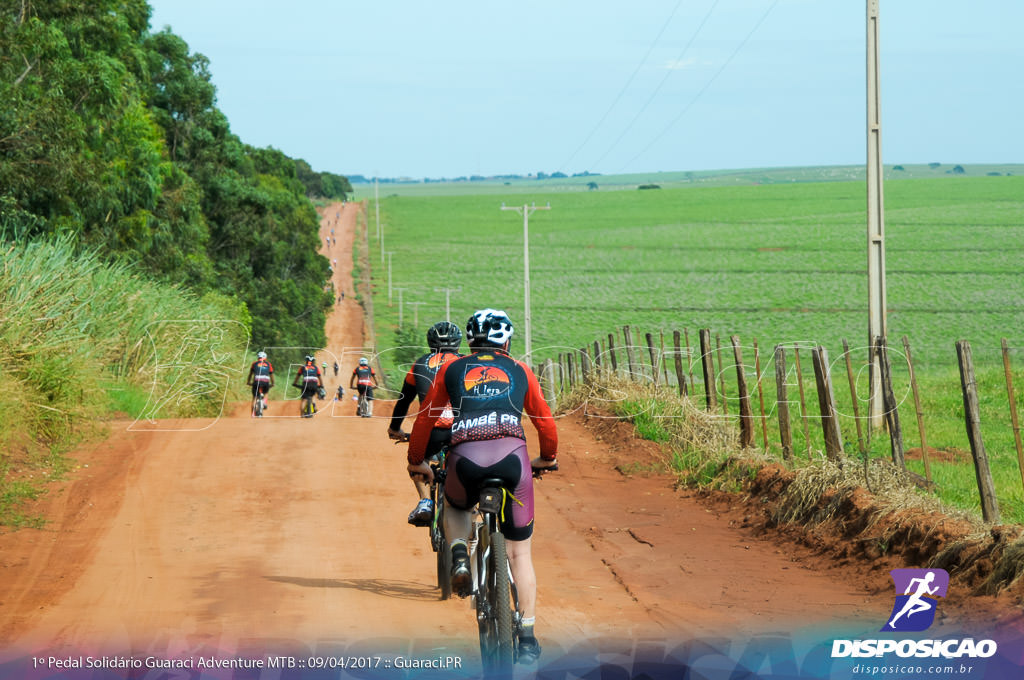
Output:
x=781 y=263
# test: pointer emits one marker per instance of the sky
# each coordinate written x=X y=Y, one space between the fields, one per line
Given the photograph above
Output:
x=456 y=88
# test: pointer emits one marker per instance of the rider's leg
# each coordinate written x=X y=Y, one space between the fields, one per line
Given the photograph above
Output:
x=457 y=523
x=521 y=562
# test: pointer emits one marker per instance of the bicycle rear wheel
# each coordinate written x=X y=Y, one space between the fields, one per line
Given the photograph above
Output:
x=494 y=597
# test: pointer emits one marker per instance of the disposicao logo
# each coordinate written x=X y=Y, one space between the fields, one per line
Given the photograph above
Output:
x=486 y=379
x=915 y=608
x=917 y=593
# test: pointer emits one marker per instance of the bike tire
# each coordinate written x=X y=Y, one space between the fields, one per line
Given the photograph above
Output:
x=494 y=605
x=439 y=542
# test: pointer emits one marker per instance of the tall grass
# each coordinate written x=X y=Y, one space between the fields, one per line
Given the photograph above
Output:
x=78 y=334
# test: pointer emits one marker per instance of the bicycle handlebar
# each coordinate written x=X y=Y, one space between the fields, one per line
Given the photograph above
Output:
x=538 y=472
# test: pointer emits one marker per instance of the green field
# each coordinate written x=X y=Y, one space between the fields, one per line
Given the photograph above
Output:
x=780 y=261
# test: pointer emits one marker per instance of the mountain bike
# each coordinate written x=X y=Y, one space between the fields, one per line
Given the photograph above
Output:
x=363 y=408
x=259 y=404
x=438 y=539
x=308 y=406
x=497 y=602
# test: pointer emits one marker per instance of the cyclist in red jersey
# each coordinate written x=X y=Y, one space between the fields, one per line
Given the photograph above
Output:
x=363 y=380
x=443 y=338
x=309 y=380
x=488 y=391
x=261 y=378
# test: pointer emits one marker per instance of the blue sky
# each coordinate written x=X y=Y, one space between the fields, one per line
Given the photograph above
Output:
x=410 y=89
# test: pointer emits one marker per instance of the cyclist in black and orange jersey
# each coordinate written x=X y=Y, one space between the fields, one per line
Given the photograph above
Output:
x=309 y=380
x=444 y=339
x=261 y=377
x=488 y=391
x=363 y=380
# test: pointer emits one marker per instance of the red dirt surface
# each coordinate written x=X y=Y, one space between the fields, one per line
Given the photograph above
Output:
x=289 y=535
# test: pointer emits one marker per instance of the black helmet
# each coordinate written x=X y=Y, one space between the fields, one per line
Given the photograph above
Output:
x=489 y=328
x=444 y=335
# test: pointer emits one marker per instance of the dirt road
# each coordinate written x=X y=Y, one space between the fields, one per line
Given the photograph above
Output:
x=288 y=536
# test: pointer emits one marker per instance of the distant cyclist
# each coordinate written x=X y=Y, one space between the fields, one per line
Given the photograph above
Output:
x=363 y=380
x=309 y=380
x=336 y=366
x=443 y=338
x=488 y=391
x=261 y=378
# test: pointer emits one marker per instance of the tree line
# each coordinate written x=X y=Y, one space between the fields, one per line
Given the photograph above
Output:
x=111 y=133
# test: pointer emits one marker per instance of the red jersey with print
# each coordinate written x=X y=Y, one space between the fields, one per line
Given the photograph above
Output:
x=261 y=370
x=364 y=375
x=421 y=377
x=488 y=392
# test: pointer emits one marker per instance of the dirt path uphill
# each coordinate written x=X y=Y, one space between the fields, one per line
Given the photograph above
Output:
x=237 y=537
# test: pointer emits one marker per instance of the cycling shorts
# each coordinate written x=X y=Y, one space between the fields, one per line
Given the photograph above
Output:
x=469 y=463
x=260 y=387
x=365 y=389
x=309 y=390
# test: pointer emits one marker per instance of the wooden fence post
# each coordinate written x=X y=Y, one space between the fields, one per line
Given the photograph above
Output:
x=585 y=366
x=654 y=357
x=563 y=374
x=707 y=363
x=827 y=404
x=986 y=488
x=892 y=413
x=782 y=403
x=803 y=403
x=760 y=396
x=630 y=357
x=680 y=378
x=746 y=416
x=919 y=412
x=549 y=384
x=664 y=364
x=571 y=364
x=611 y=353
x=597 y=355
x=721 y=375
x=1013 y=408
x=853 y=397
x=689 y=355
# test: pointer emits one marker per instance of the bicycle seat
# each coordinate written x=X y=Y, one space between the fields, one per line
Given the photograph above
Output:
x=492 y=493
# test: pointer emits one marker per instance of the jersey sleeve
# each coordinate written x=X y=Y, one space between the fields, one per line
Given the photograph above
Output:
x=432 y=406
x=402 y=405
x=540 y=415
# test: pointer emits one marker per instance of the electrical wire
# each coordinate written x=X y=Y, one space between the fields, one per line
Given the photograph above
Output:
x=625 y=87
x=703 y=89
x=654 y=94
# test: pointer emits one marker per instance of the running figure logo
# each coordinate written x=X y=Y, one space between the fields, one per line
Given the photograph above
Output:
x=915 y=608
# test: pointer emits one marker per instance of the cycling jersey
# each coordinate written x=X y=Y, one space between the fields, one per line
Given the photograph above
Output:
x=488 y=392
x=261 y=371
x=417 y=383
x=364 y=375
x=308 y=378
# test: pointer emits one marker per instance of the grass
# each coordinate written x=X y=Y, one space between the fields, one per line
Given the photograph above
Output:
x=83 y=339
x=779 y=262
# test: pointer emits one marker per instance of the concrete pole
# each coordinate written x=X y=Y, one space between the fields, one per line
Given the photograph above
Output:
x=876 y=223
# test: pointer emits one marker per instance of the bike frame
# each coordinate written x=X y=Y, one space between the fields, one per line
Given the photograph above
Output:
x=497 y=601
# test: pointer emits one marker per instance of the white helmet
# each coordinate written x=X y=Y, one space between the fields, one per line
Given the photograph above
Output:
x=261 y=355
x=489 y=327
x=364 y=361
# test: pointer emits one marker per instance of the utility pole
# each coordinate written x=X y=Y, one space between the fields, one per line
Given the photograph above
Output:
x=876 y=217
x=415 y=313
x=376 y=203
x=448 y=300
x=401 y=307
x=525 y=211
x=389 y=254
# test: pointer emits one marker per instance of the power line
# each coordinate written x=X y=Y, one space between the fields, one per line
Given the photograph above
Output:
x=706 y=86
x=654 y=94
x=624 y=87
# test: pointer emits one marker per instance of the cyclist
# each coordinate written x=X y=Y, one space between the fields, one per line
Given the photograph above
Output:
x=363 y=380
x=309 y=380
x=336 y=366
x=261 y=378
x=443 y=338
x=340 y=394
x=488 y=391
